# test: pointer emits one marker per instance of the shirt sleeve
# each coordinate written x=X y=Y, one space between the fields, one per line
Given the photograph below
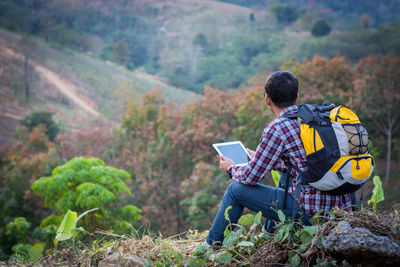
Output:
x=267 y=158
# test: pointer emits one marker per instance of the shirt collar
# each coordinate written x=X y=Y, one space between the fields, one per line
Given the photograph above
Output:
x=289 y=110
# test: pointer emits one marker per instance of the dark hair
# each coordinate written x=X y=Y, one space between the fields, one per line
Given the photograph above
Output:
x=282 y=88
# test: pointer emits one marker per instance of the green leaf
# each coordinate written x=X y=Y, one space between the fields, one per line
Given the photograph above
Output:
x=294 y=258
x=223 y=257
x=227 y=232
x=226 y=213
x=275 y=176
x=83 y=214
x=279 y=235
x=241 y=227
x=64 y=232
x=286 y=232
x=282 y=216
x=257 y=218
x=312 y=230
x=264 y=236
x=377 y=192
x=303 y=247
x=246 y=244
x=35 y=251
x=305 y=238
x=200 y=250
x=246 y=219
x=232 y=238
x=195 y=262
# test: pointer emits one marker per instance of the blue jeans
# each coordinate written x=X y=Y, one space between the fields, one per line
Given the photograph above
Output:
x=257 y=198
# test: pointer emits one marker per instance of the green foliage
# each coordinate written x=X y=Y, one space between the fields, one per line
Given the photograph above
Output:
x=294 y=236
x=41 y=117
x=27 y=253
x=285 y=13
x=18 y=229
x=233 y=238
x=276 y=176
x=377 y=193
x=68 y=229
x=201 y=39
x=17 y=232
x=86 y=183
x=237 y=246
x=320 y=28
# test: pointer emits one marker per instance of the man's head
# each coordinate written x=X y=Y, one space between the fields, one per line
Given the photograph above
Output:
x=282 y=87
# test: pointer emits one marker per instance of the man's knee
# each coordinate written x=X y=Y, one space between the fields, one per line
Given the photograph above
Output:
x=234 y=188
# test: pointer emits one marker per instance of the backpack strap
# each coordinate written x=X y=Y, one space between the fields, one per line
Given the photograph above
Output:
x=286 y=186
x=290 y=116
x=299 y=183
x=296 y=202
x=299 y=179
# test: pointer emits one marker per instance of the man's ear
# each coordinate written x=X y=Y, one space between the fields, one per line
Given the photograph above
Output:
x=297 y=99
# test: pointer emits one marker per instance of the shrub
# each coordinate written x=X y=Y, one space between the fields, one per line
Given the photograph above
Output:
x=86 y=183
x=285 y=13
x=320 y=28
x=41 y=117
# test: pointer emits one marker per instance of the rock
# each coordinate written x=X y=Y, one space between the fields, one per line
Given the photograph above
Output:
x=121 y=260
x=360 y=245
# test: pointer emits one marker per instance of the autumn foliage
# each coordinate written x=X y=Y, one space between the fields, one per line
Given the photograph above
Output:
x=167 y=149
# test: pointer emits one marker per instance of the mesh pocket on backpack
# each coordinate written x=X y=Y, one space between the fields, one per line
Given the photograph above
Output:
x=358 y=138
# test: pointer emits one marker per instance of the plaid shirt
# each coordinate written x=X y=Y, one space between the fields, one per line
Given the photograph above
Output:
x=281 y=140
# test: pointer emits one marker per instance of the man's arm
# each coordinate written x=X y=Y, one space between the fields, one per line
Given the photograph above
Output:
x=225 y=163
x=267 y=158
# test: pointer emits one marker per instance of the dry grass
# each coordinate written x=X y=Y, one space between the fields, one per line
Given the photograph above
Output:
x=385 y=224
x=152 y=249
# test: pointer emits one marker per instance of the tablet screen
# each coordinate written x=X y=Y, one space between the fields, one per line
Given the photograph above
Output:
x=233 y=150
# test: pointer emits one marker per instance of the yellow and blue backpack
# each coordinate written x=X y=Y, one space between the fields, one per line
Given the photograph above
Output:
x=337 y=148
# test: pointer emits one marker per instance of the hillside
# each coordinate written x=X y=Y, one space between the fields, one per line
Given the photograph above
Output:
x=193 y=44
x=76 y=87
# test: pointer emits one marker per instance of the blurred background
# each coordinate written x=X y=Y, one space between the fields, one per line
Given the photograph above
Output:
x=148 y=85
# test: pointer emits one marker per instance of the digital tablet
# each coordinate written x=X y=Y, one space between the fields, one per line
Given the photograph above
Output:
x=235 y=151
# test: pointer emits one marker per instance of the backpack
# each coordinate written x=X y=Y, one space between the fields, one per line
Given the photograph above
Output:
x=337 y=148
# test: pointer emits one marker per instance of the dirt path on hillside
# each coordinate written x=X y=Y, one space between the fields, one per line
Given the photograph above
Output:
x=65 y=87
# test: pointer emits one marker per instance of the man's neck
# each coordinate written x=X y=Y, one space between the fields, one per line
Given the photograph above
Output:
x=276 y=110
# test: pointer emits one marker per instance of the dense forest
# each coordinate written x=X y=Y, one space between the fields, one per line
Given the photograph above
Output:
x=140 y=35
x=172 y=174
x=153 y=169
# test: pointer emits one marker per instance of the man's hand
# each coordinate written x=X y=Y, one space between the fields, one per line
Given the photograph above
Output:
x=251 y=152
x=225 y=163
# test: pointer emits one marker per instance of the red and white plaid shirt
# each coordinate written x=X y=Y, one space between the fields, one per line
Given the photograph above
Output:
x=281 y=140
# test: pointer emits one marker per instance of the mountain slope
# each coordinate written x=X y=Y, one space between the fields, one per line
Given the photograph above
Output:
x=76 y=87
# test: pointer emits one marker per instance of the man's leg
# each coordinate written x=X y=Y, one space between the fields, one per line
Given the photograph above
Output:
x=269 y=225
x=257 y=198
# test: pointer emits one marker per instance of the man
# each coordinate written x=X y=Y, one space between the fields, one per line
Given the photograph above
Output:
x=280 y=142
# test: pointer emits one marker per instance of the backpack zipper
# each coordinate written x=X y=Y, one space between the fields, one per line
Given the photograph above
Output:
x=337 y=115
x=357 y=159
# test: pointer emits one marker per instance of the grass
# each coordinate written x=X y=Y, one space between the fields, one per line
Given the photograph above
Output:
x=300 y=246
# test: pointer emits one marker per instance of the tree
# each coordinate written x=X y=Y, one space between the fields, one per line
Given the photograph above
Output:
x=29 y=156
x=251 y=17
x=320 y=28
x=41 y=117
x=378 y=80
x=322 y=79
x=82 y=184
x=252 y=114
x=200 y=46
x=120 y=52
x=28 y=47
x=365 y=21
x=285 y=13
